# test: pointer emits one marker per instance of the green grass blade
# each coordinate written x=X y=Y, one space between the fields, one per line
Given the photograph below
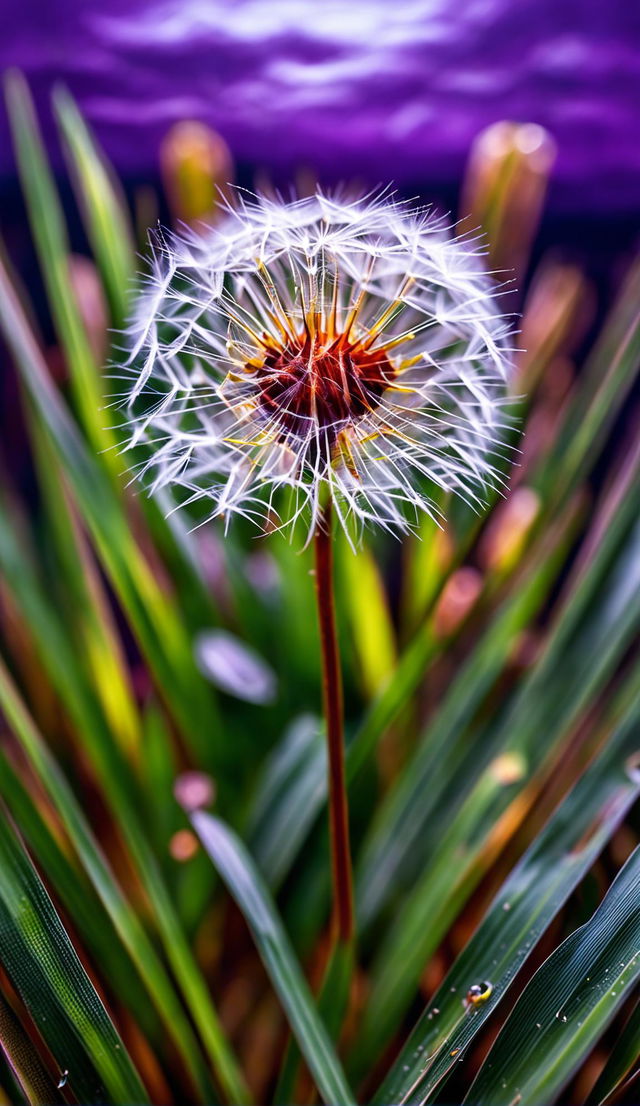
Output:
x=534 y=892
x=44 y=968
x=26 y=1066
x=604 y=384
x=49 y=231
x=287 y=801
x=568 y=1004
x=624 y=1056
x=332 y=1004
x=76 y=895
x=78 y=588
x=362 y=596
x=236 y=868
x=105 y=216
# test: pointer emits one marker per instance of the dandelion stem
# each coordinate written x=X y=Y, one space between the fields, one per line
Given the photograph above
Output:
x=333 y=712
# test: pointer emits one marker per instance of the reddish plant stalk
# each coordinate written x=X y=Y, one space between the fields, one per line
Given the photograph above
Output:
x=333 y=712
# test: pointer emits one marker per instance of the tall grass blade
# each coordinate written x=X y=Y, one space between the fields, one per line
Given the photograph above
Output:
x=569 y=1002
x=243 y=882
x=45 y=970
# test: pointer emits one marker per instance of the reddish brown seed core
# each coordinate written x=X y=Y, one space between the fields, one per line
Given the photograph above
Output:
x=316 y=382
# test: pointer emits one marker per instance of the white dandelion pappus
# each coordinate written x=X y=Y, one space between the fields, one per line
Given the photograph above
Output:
x=331 y=349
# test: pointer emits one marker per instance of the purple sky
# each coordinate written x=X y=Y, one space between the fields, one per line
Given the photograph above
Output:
x=382 y=90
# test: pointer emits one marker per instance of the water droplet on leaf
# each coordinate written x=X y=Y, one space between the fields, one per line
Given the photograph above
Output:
x=478 y=993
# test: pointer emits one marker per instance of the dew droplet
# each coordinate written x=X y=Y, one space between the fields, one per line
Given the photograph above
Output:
x=560 y=1016
x=506 y=906
x=63 y=1079
x=478 y=993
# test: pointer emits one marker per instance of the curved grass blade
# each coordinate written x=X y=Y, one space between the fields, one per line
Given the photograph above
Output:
x=75 y=894
x=568 y=1004
x=617 y=1075
x=332 y=1003
x=45 y=970
x=49 y=232
x=24 y=1063
x=534 y=892
x=287 y=800
x=106 y=220
x=88 y=616
x=236 y=868
x=603 y=386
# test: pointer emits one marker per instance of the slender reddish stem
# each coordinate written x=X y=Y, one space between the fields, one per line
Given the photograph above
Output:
x=333 y=712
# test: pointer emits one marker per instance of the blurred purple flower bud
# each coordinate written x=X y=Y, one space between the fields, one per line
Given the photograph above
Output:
x=194 y=790
x=234 y=667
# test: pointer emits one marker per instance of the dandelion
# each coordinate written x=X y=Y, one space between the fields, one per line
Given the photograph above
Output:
x=314 y=359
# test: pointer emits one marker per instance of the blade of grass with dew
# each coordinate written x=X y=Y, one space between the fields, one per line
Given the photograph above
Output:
x=617 y=1073
x=26 y=1066
x=466 y=816
x=105 y=216
x=539 y=885
x=76 y=895
x=47 y=974
x=238 y=872
x=598 y=626
x=151 y=612
x=125 y=920
x=569 y=1002
x=48 y=227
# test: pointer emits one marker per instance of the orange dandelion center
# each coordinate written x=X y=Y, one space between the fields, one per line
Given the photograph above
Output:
x=318 y=384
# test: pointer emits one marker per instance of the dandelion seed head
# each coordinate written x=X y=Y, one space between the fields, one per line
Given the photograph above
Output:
x=319 y=349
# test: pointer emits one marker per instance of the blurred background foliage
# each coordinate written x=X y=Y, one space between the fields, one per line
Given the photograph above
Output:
x=164 y=884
